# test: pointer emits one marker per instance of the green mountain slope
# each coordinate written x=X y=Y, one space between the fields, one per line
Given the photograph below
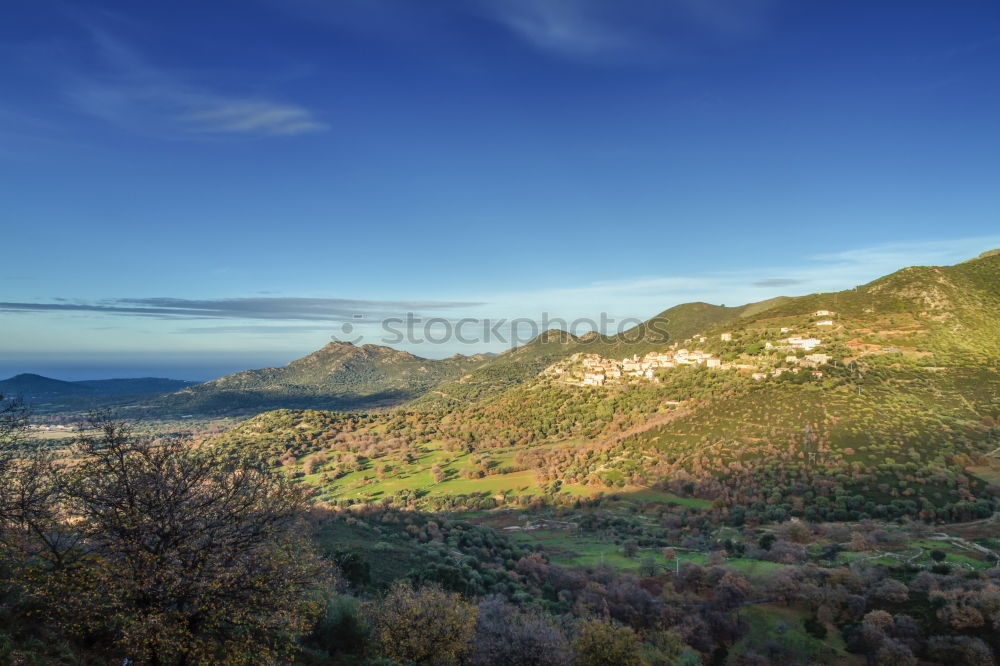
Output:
x=523 y=364
x=900 y=419
x=343 y=376
x=338 y=376
x=951 y=311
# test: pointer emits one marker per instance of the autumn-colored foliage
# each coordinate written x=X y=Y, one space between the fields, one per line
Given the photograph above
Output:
x=422 y=625
x=161 y=552
x=600 y=642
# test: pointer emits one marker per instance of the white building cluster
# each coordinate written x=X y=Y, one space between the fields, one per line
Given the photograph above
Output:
x=597 y=369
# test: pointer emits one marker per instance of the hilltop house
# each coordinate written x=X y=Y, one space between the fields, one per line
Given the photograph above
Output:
x=825 y=322
x=726 y=337
x=823 y=313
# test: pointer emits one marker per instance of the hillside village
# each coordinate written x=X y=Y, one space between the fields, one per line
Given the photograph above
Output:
x=595 y=370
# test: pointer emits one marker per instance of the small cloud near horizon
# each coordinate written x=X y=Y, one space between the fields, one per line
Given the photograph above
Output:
x=778 y=282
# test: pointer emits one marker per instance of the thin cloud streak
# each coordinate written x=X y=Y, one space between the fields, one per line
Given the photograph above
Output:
x=137 y=95
x=302 y=309
x=566 y=28
x=254 y=116
x=645 y=296
x=261 y=329
x=777 y=282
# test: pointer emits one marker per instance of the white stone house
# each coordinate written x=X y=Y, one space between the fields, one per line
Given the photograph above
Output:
x=808 y=344
x=816 y=359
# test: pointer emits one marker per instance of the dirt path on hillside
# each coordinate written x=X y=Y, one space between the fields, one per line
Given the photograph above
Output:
x=656 y=421
x=976 y=529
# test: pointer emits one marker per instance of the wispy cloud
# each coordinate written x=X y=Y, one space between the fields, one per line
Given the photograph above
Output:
x=254 y=116
x=605 y=31
x=914 y=253
x=570 y=28
x=589 y=29
x=287 y=309
x=644 y=296
x=257 y=329
x=126 y=90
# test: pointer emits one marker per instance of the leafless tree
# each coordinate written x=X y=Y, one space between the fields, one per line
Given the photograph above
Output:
x=179 y=553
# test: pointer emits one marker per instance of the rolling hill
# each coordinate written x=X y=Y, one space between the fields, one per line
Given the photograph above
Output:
x=338 y=376
x=951 y=311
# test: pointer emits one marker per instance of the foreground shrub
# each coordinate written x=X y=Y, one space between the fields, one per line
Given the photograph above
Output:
x=601 y=642
x=424 y=625
x=340 y=629
x=505 y=635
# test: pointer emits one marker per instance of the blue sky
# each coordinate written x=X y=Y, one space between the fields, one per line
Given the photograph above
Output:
x=192 y=188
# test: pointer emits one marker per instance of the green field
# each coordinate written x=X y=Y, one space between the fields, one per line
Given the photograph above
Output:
x=778 y=633
x=579 y=548
x=415 y=476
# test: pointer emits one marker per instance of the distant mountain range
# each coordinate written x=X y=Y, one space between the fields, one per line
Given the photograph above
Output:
x=36 y=388
x=949 y=310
